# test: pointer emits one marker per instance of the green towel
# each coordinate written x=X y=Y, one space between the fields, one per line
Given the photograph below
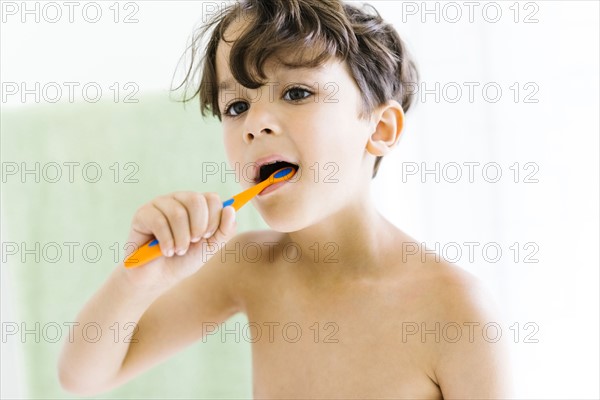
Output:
x=141 y=150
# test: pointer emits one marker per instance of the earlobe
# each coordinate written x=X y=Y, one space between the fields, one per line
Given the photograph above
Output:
x=387 y=131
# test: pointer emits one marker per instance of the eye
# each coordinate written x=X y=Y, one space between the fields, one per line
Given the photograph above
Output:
x=238 y=107
x=297 y=93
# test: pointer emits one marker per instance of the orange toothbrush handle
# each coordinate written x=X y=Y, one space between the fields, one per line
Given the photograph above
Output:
x=148 y=252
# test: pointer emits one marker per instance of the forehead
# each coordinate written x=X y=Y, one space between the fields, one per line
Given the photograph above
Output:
x=272 y=66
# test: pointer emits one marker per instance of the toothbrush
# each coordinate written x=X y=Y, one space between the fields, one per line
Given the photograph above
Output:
x=150 y=250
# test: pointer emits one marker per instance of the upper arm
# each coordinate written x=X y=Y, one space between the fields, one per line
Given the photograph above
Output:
x=183 y=314
x=474 y=365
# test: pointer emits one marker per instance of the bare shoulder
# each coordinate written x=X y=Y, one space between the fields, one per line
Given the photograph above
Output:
x=463 y=332
x=449 y=289
x=458 y=293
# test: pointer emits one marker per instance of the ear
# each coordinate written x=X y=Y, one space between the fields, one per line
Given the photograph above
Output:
x=389 y=119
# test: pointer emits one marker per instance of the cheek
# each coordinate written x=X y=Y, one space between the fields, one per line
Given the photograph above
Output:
x=232 y=150
x=335 y=130
x=237 y=159
x=335 y=160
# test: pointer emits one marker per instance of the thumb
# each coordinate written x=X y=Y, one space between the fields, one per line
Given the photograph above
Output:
x=226 y=229
x=135 y=240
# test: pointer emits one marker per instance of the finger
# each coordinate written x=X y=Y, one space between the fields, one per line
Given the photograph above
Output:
x=159 y=225
x=197 y=208
x=214 y=214
x=140 y=232
x=179 y=223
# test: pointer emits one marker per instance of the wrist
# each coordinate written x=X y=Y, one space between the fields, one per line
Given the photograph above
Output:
x=128 y=287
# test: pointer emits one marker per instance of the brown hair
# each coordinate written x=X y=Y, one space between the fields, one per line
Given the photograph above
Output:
x=373 y=50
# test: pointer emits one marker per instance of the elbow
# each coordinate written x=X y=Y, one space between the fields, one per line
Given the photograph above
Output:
x=71 y=383
x=72 y=386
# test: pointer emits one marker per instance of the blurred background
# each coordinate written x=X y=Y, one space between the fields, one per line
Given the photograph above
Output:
x=497 y=171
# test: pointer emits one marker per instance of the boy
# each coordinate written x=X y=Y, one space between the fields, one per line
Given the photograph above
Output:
x=310 y=83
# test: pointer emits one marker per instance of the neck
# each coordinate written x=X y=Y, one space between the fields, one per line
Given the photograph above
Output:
x=349 y=242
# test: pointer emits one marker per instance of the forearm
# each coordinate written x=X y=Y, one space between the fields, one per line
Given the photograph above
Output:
x=91 y=358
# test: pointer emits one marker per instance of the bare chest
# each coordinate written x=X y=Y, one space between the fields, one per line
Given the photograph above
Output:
x=337 y=342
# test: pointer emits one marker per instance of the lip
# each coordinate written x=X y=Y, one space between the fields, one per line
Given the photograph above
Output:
x=271 y=188
x=266 y=160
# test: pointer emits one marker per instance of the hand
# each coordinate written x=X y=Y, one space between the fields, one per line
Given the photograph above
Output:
x=188 y=226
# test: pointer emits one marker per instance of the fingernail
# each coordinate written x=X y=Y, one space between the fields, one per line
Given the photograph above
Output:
x=170 y=253
x=181 y=252
x=196 y=239
x=207 y=235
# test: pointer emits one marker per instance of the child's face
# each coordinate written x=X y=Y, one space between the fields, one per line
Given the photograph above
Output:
x=321 y=132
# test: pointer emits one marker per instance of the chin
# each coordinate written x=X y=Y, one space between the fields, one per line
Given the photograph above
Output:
x=289 y=219
x=284 y=222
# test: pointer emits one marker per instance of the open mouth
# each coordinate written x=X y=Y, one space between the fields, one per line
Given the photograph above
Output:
x=267 y=170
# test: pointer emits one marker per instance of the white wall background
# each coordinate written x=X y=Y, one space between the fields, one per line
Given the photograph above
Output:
x=555 y=54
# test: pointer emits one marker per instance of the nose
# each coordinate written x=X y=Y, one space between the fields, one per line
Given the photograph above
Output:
x=259 y=121
x=250 y=136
